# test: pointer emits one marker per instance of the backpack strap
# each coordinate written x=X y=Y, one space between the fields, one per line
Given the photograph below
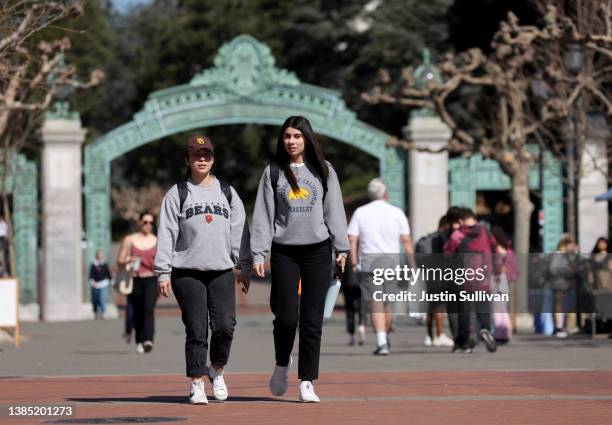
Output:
x=183 y=190
x=274 y=174
x=227 y=191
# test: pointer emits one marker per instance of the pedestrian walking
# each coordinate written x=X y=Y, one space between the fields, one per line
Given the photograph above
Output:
x=137 y=252
x=473 y=247
x=502 y=322
x=203 y=237
x=562 y=274
x=356 y=310
x=299 y=212
x=430 y=249
x=99 y=280
x=376 y=231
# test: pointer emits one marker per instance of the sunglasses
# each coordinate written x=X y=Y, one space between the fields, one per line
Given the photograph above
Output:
x=147 y=222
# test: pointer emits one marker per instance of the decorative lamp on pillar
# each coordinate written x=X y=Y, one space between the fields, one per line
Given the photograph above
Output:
x=427 y=172
x=424 y=75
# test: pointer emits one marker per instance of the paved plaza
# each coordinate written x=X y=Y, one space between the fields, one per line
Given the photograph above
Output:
x=533 y=380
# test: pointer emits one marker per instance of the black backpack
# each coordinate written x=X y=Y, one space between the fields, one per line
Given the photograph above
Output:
x=183 y=191
x=275 y=172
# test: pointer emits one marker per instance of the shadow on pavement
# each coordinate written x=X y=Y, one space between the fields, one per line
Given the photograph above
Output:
x=172 y=399
x=150 y=399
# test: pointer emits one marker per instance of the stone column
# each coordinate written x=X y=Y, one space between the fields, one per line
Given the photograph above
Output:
x=593 y=216
x=428 y=175
x=62 y=223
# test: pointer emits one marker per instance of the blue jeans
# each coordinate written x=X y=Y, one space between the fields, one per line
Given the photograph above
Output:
x=98 y=299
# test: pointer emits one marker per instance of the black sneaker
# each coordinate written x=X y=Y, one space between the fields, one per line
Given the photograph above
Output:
x=488 y=340
x=148 y=346
x=382 y=350
x=462 y=350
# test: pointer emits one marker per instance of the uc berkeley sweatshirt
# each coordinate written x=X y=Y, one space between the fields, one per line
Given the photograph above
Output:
x=301 y=218
x=207 y=234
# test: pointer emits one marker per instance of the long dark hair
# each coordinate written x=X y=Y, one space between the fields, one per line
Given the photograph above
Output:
x=608 y=248
x=312 y=150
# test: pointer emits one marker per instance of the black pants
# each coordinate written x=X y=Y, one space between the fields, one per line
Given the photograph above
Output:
x=200 y=294
x=313 y=264
x=460 y=315
x=353 y=303
x=143 y=299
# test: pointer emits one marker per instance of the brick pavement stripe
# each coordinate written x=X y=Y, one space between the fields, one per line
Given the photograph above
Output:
x=563 y=397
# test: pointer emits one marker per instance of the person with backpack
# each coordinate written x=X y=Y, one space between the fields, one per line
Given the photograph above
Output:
x=299 y=212
x=203 y=235
x=473 y=247
x=429 y=249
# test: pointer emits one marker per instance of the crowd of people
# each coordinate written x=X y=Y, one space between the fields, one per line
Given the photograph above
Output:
x=204 y=247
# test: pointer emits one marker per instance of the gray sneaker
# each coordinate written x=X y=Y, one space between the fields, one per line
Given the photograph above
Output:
x=279 y=381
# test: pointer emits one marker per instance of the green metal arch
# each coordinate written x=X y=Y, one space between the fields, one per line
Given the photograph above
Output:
x=468 y=175
x=244 y=87
x=23 y=184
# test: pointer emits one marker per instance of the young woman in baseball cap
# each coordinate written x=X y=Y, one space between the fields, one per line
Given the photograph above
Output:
x=202 y=249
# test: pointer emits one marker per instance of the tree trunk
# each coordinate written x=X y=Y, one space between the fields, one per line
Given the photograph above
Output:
x=523 y=207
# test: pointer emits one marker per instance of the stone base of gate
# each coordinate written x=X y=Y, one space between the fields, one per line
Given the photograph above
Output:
x=86 y=312
x=29 y=312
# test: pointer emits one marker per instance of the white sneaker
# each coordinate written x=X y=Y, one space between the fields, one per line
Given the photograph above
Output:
x=307 y=393
x=443 y=341
x=218 y=383
x=279 y=381
x=140 y=348
x=197 y=394
x=428 y=341
x=361 y=334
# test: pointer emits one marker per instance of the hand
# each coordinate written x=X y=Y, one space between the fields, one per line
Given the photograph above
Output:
x=354 y=268
x=164 y=288
x=341 y=262
x=258 y=269
x=244 y=279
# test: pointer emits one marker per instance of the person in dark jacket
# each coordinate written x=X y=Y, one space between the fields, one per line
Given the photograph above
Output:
x=99 y=280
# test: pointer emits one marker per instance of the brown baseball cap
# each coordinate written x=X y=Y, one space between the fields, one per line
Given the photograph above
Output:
x=199 y=142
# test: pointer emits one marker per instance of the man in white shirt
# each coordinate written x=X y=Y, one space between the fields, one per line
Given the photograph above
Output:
x=377 y=228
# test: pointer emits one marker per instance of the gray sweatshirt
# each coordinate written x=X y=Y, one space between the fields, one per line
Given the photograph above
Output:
x=300 y=219
x=208 y=234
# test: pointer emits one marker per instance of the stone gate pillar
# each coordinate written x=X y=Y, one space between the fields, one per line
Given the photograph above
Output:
x=427 y=175
x=62 y=223
x=593 y=216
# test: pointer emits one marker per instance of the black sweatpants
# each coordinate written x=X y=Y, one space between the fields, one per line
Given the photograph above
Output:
x=143 y=299
x=313 y=264
x=200 y=294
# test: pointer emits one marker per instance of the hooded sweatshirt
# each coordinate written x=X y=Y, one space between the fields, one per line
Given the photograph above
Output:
x=302 y=218
x=207 y=234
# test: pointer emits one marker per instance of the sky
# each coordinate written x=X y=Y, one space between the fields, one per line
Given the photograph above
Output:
x=124 y=5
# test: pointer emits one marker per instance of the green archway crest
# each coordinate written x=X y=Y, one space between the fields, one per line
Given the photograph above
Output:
x=244 y=87
x=245 y=66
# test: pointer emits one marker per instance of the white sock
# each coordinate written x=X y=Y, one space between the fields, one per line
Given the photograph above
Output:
x=381 y=338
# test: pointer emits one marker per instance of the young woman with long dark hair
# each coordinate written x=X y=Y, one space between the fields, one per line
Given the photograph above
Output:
x=299 y=211
x=202 y=236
